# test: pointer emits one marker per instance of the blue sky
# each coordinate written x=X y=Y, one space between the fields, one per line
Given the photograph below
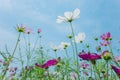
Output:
x=96 y=17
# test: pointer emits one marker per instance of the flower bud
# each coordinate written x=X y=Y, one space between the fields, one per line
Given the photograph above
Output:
x=106 y=55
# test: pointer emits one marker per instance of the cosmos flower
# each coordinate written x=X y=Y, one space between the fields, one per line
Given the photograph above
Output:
x=69 y=16
x=80 y=37
x=47 y=64
x=20 y=28
x=89 y=56
x=117 y=70
x=55 y=48
x=84 y=65
x=105 y=43
x=106 y=36
x=27 y=30
x=64 y=45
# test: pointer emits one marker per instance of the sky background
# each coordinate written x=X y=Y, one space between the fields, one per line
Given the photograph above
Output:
x=96 y=17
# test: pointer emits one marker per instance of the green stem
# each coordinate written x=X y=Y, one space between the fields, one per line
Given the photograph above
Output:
x=67 y=64
x=49 y=75
x=75 y=50
x=55 y=54
x=38 y=38
x=91 y=70
x=29 y=53
x=107 y=69
x=18 y=40
x=66 y=53
x=72 y=48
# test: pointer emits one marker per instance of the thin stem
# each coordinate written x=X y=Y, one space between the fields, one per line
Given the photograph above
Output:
x=67 y=62
x=72 y=48
x=66 y=53
x=29 y=54
x=49 y=75
x=75 y=50
x=91 y=70
x=107 y=69
x=38 y=38
x=55 y=54
x=18 y=40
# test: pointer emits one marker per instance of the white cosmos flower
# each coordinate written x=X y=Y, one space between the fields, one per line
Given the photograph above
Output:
x=55 y=48
x=64 y=45
x=69 y=16
x=80 y=37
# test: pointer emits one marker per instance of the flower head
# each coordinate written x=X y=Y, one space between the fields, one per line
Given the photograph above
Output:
x=84 y=65
x=70 y=36
x=69 y=16
x=117 y=70
x=106 y=55
x=105 y=43
x=106 y=36
x=89 y=56
x=20 y=28
x=27 y=30
x=80 y=37
x=64 y=45
x=47 y=64
x=55 y=48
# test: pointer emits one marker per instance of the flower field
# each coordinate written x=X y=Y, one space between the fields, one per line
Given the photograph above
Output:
x=79 y=61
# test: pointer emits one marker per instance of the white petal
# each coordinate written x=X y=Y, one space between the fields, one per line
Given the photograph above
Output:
x=81 y=36
x=76 y=13
x=68 y=15
x=61 y=19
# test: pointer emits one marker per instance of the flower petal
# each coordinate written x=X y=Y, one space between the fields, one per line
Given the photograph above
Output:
x=61 y=19
x=76 y=13
x=68 y=15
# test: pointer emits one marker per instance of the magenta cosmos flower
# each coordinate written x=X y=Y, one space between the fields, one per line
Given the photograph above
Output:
x=48 y=63
x=89 y=56
x=106 y=36
x=117 y=70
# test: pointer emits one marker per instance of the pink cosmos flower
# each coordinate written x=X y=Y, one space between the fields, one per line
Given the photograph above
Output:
x=39 y=31
x=106 y=36
x=84 y=65
x=27 y=30
x=48 y=63
x=105 y=43
x=117 y=58
x=89 y=56
x=117 y=70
